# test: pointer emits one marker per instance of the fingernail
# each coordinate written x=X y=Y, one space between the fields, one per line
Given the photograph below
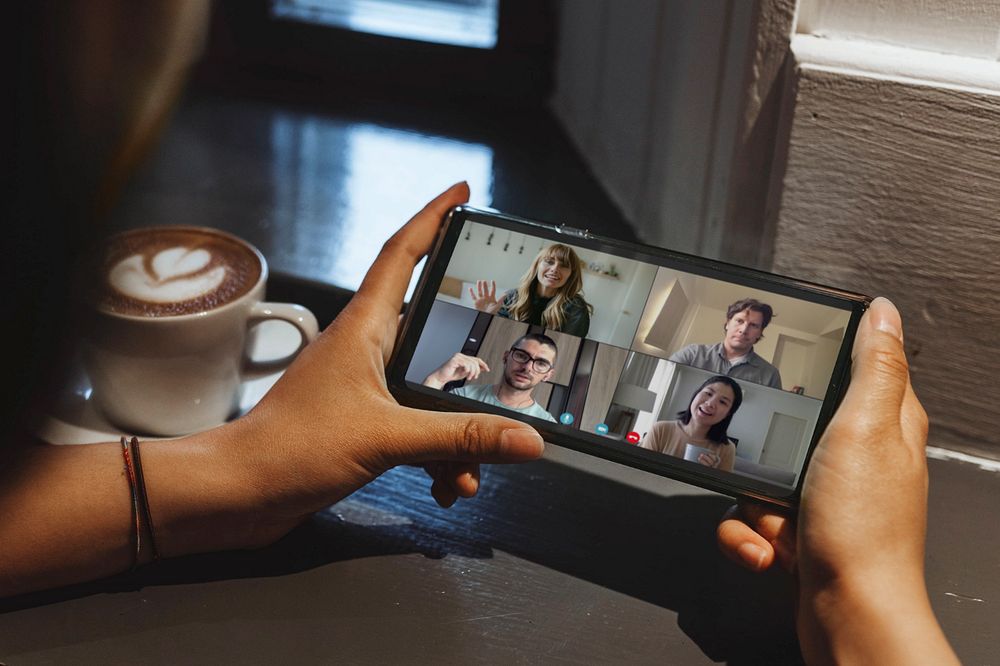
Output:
x=522 y=443
x=752 y=555
x=885 y=317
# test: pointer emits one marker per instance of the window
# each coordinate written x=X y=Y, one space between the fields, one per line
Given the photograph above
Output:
x=446 y=50
x=470 y=23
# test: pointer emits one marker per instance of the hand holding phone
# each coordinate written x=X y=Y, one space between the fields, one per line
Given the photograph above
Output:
x=857 y=546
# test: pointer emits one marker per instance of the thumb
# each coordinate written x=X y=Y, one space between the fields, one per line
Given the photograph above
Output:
x=880 y=373
x=480 y=438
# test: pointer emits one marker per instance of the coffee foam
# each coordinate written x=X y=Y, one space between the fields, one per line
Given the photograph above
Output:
x=177 y=274
x=165 y=271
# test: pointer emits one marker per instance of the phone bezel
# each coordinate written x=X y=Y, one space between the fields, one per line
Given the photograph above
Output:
x=727 y=483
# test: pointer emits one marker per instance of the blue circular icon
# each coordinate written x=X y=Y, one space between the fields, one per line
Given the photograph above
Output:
x=566 y=418
x=601 y=428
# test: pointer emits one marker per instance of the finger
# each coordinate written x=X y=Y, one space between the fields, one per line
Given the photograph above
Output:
x=756 y=536
x=433 y=468
x=483 y=367
x=463 y=478
x=443 y=493
x=382 y=291
x=741 y=544
x=469 y=366
x=493 y=290
x=470 y=438
x=880 y=374
x=442 y=490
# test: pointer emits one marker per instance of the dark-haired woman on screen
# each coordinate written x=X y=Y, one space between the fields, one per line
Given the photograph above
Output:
x=704 y=424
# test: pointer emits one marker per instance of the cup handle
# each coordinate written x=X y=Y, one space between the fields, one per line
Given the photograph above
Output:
x=296 y=315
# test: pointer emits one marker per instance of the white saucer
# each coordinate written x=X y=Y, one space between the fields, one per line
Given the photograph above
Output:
x=74 y=419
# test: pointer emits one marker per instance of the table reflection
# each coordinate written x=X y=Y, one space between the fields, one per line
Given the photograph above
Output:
x=373 y=193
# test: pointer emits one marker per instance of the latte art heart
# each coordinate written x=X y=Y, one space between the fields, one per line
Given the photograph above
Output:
x=178 y=274
x=178 y=261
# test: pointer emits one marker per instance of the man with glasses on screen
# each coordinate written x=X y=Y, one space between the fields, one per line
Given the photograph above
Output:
x=530 y=361
x=746 y=320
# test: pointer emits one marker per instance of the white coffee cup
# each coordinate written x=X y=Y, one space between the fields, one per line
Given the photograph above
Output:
x=692 y=452
x=165 y=373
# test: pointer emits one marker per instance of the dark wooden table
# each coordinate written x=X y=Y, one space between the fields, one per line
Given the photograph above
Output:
x=561 y=560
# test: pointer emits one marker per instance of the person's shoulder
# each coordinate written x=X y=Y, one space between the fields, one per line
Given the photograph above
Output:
x=728 y=450
x=540 y=412
x=760 y=361
x=661 y=436
x=577 y=317
x=661 y=427
x=771 y=375
x=688 y=352
x=578 y=302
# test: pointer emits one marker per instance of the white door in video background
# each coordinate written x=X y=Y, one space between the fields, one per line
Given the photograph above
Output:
x=785 y=438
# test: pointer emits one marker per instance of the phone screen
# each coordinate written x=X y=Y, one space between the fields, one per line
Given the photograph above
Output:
x=711 y=373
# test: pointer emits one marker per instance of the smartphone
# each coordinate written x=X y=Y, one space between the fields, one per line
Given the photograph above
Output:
x=714 y=374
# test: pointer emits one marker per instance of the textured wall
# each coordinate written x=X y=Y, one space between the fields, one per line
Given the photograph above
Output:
x=893 y=188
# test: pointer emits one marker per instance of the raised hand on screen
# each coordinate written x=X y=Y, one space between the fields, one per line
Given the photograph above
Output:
x=484 y=296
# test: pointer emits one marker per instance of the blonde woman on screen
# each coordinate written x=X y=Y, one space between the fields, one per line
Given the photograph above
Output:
x=549 y=293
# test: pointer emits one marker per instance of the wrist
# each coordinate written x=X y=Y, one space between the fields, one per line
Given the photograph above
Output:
x=200 y=493
x=876 y=617
x=440 y=377
x=289 y=467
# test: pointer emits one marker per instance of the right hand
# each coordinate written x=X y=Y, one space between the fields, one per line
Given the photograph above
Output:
x=484 y=297
x=858 y=547
x=709 y=459
x=459 y=366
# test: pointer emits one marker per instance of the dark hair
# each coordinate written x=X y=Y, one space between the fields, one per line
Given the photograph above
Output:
x=753 y=305
x=540 y=338
x=716 y=433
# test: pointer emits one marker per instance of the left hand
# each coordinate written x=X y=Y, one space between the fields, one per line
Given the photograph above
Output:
x=330 y=425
